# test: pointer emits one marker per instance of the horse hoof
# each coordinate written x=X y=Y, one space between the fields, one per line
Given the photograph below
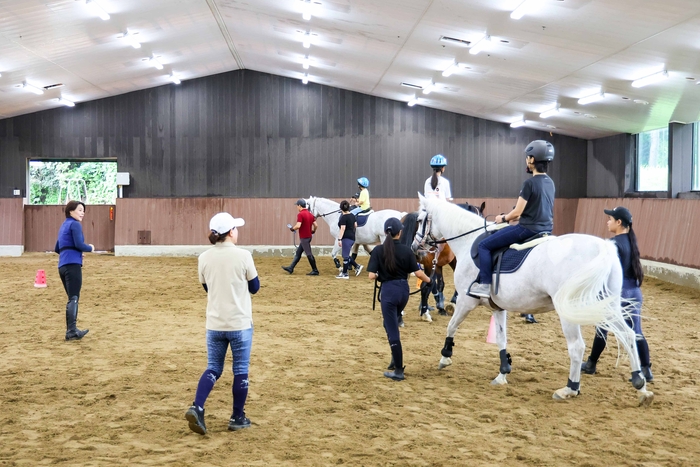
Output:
x=645 y=398
x=499 y=380
x=442 y=312
x=564 y=393
x=444 y=362
x=450 y=308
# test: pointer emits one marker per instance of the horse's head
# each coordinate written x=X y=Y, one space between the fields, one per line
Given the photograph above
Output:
x=478 y=210
x=426 y=231
x=311 y=205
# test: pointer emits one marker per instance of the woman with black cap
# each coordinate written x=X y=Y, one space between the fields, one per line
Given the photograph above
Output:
x=620 y=223
x=391 y=263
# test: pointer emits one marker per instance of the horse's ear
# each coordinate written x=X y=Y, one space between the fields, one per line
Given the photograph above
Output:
x=482 y=207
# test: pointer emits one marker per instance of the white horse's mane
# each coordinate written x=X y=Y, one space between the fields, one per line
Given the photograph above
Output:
x=458 y=217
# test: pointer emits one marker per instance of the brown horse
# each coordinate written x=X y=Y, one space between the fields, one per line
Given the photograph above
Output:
x=434 y=268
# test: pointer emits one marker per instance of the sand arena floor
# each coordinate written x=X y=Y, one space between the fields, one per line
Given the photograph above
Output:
x=317 y=394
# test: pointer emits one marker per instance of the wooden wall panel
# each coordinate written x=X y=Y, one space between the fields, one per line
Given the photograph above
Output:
x=665 y=228
x=250 y=134
x=11 y=221
x=41 y=224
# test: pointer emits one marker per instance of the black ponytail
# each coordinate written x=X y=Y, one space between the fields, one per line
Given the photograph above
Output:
x=215 y=237
x=635 y=257
x=389 y=259
x=434 y=180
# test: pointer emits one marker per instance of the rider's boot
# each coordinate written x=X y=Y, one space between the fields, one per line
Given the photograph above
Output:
x=312 y=262
x=290 y=268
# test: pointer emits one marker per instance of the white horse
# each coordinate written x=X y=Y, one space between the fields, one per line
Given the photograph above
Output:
x=372 y=233
x=577 y=275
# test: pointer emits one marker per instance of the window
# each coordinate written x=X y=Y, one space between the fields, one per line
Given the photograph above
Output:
x=696 y=157
x=652 y=160
x=58 y=182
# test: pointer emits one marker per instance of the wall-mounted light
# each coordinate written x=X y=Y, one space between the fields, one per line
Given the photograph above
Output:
x=97 y=9
x=130 y=38
x=480 y=45
x=518 y=123
x=651 y=79
x=550 y=112
x=599 y=96
x=31 y=88
x=174 y=78
x=66 y=102
x=155 y=62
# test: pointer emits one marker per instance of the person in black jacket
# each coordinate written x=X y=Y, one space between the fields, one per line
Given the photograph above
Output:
x=620 y=223
x=346 y=239
x=391 y=263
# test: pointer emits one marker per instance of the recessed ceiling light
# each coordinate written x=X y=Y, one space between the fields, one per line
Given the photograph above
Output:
x=640 y=101
x=455 y=41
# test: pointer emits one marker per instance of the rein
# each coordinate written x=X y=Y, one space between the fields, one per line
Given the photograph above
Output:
x=445 y=240
x=329 y=213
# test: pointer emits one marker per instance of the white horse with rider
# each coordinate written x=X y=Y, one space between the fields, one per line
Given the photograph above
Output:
x=577 y=275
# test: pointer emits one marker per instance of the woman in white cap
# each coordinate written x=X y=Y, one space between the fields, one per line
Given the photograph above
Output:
x=229 y=276
x=391 y=263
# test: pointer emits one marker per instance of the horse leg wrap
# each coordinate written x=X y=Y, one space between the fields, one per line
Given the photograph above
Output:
x=337 y=262
x=447 y=350
x=505 y=362
x=574 y=386
x=637 y=380
x=454 y=298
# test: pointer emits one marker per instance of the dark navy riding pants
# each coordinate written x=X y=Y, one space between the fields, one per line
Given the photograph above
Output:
x=394 y=300
x=502 y=238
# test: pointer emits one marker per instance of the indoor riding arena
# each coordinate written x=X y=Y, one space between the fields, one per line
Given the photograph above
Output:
x=155 y=116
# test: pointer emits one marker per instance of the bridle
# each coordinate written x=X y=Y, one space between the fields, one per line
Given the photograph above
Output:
x=422 y=237
x=313 y=209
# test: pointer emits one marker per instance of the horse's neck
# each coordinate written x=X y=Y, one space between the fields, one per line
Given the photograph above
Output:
x=449 y=229
x=325 y=206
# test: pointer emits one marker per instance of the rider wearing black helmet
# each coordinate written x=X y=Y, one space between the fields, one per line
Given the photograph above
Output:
x=534 y=209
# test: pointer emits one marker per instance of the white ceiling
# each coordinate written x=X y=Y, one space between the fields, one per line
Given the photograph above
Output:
x=558 y=52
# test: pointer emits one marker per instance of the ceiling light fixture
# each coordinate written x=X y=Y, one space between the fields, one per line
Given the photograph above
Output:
x=305 y=62
x=97 y=9
x=455 y=41
x=592 y=98
x=518 y=123
x=651 y=79
x=156 y=63
x=413 y=101
x=130 y=39
x=65 y=102
x=174 y=78
x=307 y=40
x=31 y=88
x=305 y=79
x=521 y=10
x=429 y=88
x=450 y=69
x=306 y=10
x=480 y=45
x=550 y=112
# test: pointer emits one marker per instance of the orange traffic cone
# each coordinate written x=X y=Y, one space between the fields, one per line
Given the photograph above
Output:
x=40 y=279
x=418 y=283
x=491 y=336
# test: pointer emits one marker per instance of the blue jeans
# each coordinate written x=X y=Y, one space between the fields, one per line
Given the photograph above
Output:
x=356 y=210
x=218 y=343
x=502 y=238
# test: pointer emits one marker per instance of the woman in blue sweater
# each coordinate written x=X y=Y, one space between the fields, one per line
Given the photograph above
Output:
x=70 y=246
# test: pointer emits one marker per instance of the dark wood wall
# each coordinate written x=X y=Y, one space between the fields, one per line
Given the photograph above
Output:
x=250 y=134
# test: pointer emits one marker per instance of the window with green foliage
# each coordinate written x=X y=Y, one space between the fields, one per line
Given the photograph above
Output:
x=696 y=157
x=652 y=160
x=58 y=182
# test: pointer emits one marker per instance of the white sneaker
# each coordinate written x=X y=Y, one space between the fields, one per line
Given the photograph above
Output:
x=358 y=270
x=426 y=317
x=342 y=276
x=480 y=290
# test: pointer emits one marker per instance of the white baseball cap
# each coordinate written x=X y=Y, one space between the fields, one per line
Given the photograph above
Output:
x=223 y=222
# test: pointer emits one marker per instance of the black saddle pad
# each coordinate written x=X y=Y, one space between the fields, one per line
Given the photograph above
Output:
x=361 y=219
x=511 y=259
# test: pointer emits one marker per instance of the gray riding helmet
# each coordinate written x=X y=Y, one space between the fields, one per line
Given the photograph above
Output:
x=541 y=150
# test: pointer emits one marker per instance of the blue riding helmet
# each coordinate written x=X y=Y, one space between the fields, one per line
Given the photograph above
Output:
x=363 y=182
x=438 y=161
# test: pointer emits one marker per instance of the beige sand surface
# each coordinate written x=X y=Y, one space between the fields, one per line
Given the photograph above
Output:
x=317 y=394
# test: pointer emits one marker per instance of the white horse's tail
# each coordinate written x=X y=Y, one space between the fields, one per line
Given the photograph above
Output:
x=586 y=299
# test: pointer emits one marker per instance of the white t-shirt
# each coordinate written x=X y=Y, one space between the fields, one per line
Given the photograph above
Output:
x=226 y=269
x=442 y=191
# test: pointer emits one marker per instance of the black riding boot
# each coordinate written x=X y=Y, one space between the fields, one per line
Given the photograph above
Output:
x=598 y=346
x=290 y=268
x=72 y=331
x=312 y=262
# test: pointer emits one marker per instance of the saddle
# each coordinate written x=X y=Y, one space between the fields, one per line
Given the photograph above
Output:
x=508 y=259
x=361 y=217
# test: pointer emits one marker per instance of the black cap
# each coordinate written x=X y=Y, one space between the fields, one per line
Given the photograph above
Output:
x=620 y=213
x=301 y=202
x=393 y=226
